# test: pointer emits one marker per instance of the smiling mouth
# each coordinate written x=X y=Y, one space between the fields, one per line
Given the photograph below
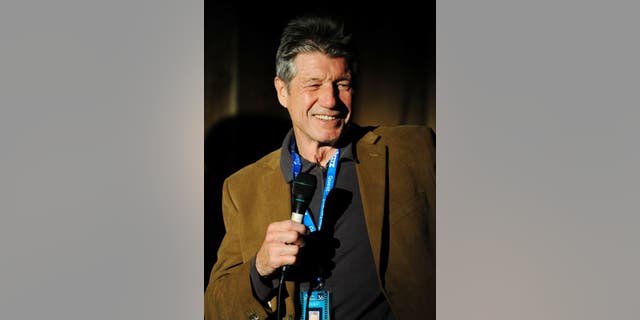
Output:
x=325 y=117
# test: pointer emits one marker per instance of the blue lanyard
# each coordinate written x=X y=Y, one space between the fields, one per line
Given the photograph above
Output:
x=328 y=184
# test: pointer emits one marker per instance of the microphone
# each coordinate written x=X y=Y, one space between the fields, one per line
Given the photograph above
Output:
x=303 y=188
x=301 y=193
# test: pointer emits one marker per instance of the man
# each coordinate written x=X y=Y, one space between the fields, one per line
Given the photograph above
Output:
x=366 y=249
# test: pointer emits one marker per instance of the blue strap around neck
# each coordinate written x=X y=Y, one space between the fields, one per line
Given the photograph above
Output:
x=328 y=183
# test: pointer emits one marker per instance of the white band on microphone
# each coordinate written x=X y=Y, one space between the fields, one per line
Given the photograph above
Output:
x=297 y=217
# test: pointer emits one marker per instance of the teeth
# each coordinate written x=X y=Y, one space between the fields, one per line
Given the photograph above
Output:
x=325 y=117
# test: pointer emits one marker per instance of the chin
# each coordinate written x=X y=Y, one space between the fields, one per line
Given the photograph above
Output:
x=330 y=139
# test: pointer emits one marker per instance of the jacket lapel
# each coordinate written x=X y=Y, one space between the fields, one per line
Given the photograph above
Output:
x=279 y=201
x=371 y=169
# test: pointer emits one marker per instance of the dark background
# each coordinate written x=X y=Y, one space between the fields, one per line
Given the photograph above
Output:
x=243 y=121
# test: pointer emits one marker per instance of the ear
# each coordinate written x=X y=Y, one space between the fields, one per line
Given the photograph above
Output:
x=281 y=91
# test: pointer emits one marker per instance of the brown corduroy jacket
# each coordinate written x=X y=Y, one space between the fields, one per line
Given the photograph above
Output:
x=396 y=176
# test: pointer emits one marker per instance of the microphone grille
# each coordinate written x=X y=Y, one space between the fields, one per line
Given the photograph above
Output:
x=304 y=186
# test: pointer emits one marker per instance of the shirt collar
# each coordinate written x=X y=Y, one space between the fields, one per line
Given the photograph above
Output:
x=286 y=162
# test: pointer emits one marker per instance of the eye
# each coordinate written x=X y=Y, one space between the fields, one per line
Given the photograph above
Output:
x=344 y=85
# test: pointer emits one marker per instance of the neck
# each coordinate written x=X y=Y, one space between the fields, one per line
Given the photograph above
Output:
x=317 y=154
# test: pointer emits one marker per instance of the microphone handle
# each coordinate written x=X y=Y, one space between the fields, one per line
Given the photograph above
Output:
x=297 y=217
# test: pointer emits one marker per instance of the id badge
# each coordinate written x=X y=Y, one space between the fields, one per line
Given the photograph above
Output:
x=315 y=305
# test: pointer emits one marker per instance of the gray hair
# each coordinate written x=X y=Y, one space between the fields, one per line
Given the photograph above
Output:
x=312 y=34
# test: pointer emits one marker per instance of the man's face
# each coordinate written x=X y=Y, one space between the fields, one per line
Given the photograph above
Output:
x=318 y=99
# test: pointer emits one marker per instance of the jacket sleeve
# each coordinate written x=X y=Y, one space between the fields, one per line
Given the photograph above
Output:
x=229 y=294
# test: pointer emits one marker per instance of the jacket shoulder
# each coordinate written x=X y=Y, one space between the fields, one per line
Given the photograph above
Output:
x=267 y=163
x=410 y=144
x=406 y=136
x=401 y=133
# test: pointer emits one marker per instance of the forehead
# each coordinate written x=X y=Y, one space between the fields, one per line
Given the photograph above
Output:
x=318 y=65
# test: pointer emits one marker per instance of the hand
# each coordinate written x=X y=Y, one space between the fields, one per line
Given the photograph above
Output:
x=280 y=247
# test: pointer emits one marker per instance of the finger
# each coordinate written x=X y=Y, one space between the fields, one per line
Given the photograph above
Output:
x=280 y=255
x=287 y=225
x=274 y=255
x=300 y=242
x=290 y=251
x=289 y=238
x=297 y=227
x=285 y=250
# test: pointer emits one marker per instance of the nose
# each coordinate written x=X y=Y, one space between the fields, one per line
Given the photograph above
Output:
x=328 y=96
